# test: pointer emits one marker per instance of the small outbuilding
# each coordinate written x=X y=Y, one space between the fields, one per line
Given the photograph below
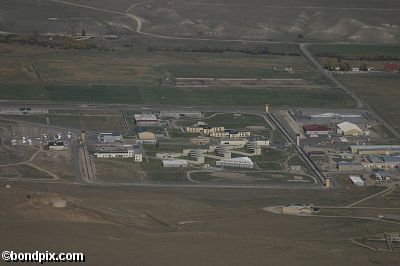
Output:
x=357 y=181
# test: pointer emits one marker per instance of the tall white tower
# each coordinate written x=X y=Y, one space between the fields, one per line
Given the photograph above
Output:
x=266 y=108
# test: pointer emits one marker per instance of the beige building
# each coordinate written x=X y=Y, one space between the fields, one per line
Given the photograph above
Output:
x=147 y=137
x=299 y=209
x=204 y=129
x=230 y=134
x=349 y=129
x=200 y=140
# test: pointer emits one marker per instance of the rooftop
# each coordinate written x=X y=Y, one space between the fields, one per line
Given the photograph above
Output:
x=347 y=126
x=145 y=117
x=116 y=133
x=315 y=127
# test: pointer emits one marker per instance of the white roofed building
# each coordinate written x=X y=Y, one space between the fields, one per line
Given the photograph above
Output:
x=349 y=129
x=146 y=119
x=174 y=163
x=239 y=162
x=357 y=181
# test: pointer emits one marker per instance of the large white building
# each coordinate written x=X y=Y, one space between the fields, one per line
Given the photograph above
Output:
x=146 y=119
x=237 y=143
x=349 y=129
x=239 y=162
x=118 y=151
x=357 y=181
x=110 y=137
x=175 y=163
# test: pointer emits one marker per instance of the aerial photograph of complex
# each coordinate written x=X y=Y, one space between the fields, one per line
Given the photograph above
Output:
x=200 y=132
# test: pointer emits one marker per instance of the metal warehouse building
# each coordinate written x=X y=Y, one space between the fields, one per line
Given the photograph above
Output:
x=336 y=117
x=174 y=163
x=240 y=162
x=375 y=149
x=349 y=129
x=110 y=137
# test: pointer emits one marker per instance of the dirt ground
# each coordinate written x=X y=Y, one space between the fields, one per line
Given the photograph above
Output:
x=172 y=226
x=57 y=162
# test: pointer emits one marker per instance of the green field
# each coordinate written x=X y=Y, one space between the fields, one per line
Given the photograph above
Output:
x=327 y=97
x=133 y=75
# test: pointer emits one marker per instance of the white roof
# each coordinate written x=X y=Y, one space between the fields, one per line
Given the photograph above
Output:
x=327 y=115
x=347 y=126
x=174 y=162
x=238 y=160
x=145 y=117
x=356 y=179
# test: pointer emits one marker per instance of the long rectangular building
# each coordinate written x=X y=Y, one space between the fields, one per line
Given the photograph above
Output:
x=118 y=151
x=239 y=162
x=375 y=149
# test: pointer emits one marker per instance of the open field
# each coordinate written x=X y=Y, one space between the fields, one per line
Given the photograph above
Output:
x=22 y=171
x=208 y=226
x=110 y=77
x=244 y=178
x=379 y=91
x=327 y=97
x=59 y=163
x=118 y=170
x=138 y=65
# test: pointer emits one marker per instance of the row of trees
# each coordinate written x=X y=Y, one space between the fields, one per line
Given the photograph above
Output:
x=63 y=42
x=362 y=58
x=262 y=50
x=343 y=66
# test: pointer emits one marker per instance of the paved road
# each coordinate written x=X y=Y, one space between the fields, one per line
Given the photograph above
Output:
x=75 y=161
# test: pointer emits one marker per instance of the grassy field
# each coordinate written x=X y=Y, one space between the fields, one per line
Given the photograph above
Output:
x=379 y=91
x=134 y=75
x=199 y=96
